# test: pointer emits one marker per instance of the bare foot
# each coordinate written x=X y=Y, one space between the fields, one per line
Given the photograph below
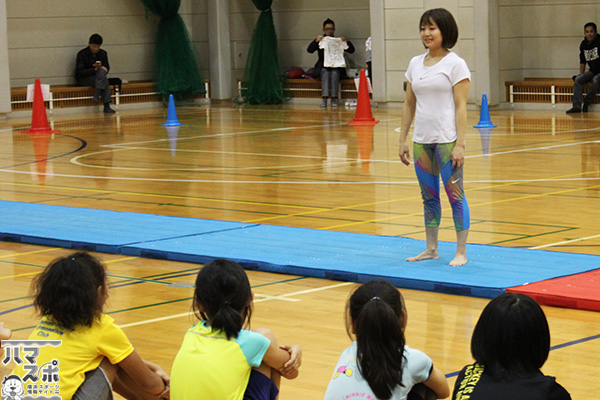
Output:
x=426 y=255
x=459 y=259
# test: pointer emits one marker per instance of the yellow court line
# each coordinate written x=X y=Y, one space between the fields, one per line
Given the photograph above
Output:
x=369 y=204
x=531 y=196
x=168 y=196
x=16 y=276
x=31 y=252
x=120 y=259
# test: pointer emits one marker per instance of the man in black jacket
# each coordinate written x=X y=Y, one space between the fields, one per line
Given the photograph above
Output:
x=91 y=70
x=589 y=53
x=330 y=76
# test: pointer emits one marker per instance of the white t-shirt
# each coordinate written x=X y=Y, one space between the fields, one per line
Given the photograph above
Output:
x=348 y=384
x=333 y=51
x=435 y=116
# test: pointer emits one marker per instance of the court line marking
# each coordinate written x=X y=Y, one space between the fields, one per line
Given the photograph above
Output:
x=530 y=196
x=150 y=321
x=524 y=133
x=342 y=160
x=15 y=276
x=565 y=242
x=168 y=196
x=217 y=135
x=275 y=181
x=492 y=186
x=32 y=252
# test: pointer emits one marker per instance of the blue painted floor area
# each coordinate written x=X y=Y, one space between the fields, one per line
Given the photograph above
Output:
x=308 y=252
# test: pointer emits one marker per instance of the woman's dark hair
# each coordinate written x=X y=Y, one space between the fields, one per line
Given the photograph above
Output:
x=593 y=25
x=511 y=338
x=445 y=21
x=223 y=296
x=376 y=311
x=95 y=39
x=328 y=21
x=67 y=290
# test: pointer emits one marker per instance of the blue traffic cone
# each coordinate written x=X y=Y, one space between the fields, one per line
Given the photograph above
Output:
x=172 y=114
x=484 y=117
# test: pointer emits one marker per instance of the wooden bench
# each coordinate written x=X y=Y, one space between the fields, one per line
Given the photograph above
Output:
x=542 y=90
x=64 y=96
x=311 y=88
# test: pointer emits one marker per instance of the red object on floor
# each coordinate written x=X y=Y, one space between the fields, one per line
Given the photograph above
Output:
x=39 y=120
x=363 y=114
x=580 y=291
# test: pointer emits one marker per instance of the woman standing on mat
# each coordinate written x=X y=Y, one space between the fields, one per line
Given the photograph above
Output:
x=436 y=98
x=510 y=344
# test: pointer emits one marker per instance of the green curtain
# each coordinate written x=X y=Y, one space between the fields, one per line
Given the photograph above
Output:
x=262 y=83
x=175 y=68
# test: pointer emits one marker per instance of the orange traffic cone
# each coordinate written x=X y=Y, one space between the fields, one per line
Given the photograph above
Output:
x=41 y=142
x=39 y=121
x=364 y=137
x=363 y=106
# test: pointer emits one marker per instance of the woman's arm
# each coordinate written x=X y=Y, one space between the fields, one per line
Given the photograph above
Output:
x=438 y=383
x=461 y=90
x=408 y=113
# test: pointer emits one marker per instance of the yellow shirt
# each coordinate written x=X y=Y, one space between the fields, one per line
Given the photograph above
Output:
x=208 y=366
x=82 y=350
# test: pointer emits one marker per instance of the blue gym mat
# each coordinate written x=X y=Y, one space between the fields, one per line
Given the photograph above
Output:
x=103 y=231
x=308 y=252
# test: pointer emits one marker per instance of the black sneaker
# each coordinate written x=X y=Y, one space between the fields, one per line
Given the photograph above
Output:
x=585 y=108
x=108 y=110
x=574 y=110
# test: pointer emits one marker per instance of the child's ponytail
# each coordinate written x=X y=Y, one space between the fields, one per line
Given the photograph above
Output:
x=377 y=313
x=223 y=296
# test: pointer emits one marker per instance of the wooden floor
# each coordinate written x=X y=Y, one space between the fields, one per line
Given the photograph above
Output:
x=532 y=182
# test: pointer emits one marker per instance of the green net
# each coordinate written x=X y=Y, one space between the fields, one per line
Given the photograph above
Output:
x=175 y=68
x=262 y=83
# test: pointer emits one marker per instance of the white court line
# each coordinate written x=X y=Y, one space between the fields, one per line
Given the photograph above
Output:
x=413 y=181
x=340 y=160
x=150 y=321
x=218 y=135
x=74 y=160
x=399 y=130
x=565 y=242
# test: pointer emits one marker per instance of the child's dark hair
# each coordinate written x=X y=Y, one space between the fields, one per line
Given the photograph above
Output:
x=67 y=290
x=593 y=25
x=376 y=312
x=511 y=338
x=445 y=21
x=328 y=21
x=223 y=296
x=95 y=39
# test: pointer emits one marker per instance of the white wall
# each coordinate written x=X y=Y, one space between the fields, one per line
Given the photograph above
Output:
x=403 y=41
x=44 y=37
x=540 y=38
x=536 y=38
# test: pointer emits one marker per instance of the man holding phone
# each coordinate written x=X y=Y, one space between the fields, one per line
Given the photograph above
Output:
x=91 y=70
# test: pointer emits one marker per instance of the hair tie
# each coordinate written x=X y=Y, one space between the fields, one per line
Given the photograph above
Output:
x=375 y=298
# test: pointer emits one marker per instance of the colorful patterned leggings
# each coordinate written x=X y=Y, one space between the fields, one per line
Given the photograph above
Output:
x=428 y=159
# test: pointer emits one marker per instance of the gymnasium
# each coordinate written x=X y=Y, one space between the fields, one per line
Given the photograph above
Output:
x=307 y=203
